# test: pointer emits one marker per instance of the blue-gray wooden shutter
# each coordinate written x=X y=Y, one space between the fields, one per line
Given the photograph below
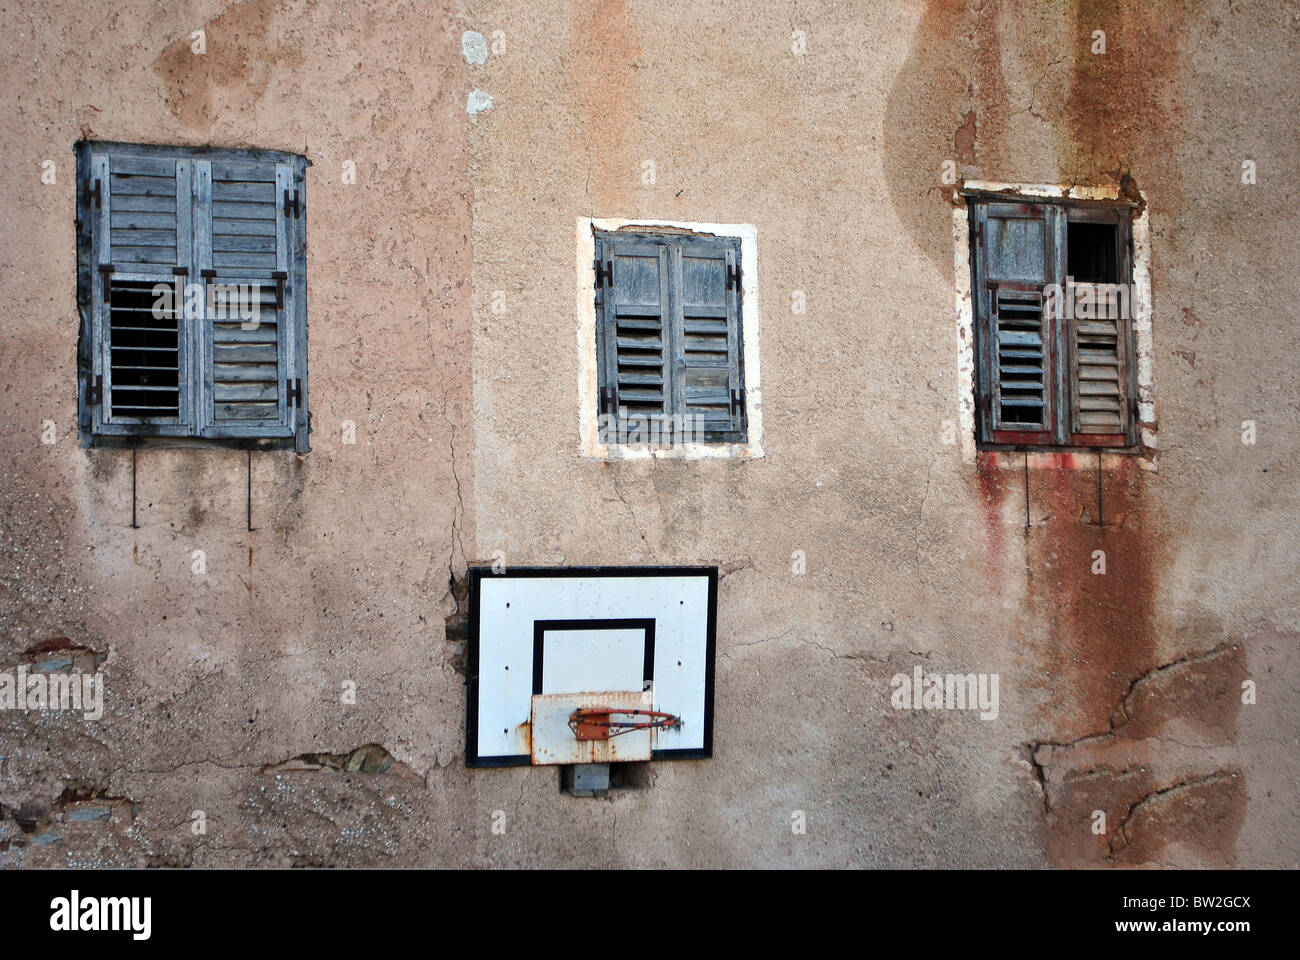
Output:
x=669 y=337
x=1017 y=246
x=632 y=304
x=248 y=237
x=139 y=207
x=708 y=369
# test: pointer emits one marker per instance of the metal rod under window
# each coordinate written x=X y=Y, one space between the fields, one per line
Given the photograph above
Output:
x=1027 y=523
x=134 y=525
x=1101 y=522
x=250 y=489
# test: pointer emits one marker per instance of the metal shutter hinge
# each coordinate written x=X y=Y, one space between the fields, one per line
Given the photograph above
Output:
x=291 y=205
x=94 y=193
x=294 y=392
x=608 y=400
x=95 y=392
x=106 y=272
x=733 y=277
x=605 y=270
x=280 y=277
x=737 y=401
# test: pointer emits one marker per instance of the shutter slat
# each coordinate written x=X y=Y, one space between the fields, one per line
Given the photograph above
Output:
x=245 y=412
x=246 y=261
x=245 y=228
x=132 y=237
x=258 y=353
x=262 y=193
x=144 y=186
x=242 y=170
x=247 y=244
x=158 y=220
x=143 y=204
x=226 y=391
x=237 y=210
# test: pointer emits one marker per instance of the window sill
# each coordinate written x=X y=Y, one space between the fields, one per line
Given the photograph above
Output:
x=1134 y=451
x=610 y=452
x=1002 y=457
x=117 y=442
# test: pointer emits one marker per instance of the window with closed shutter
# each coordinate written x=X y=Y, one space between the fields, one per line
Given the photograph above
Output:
x=669 y=343
x=1051 y=291
x=192 y=286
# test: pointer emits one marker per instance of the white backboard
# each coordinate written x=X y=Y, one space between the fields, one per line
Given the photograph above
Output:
x=549 y=632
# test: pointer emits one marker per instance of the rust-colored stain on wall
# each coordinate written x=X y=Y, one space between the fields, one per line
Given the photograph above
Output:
x=1123 y=110
x=234 y=71
x=605 y=52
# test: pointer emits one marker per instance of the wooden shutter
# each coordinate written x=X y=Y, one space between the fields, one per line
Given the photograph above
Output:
x=139 y=210
x=669 y=343
x=1016 y=256
x=1101 y=367
x=708 y=379
x=245 y=245
x=632 y=338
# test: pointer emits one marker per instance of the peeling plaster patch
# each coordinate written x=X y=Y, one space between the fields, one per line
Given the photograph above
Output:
x=474 y=47
x=478 y=102
x=589 y=425
x=371 y=758
x=1141 y=306
x=965 y=333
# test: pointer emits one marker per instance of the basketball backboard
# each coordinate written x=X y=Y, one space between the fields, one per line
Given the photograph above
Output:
x=558 y=653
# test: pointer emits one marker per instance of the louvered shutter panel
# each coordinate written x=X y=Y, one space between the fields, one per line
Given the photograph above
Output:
x=709 y=386
x=1017 y=256
x=139 y=209
x=632 y=343
x=1101 y=356
x=245 y=250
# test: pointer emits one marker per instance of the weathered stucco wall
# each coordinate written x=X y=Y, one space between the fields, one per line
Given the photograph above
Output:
x=1119 y=692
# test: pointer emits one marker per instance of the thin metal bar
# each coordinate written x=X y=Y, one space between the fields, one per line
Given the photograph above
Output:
x=1101 y=522
x=134 y=525
x=1027 y=522
x=250 y=490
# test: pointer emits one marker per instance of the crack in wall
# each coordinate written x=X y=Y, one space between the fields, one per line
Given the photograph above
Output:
x=1119 y=838
x=456 y=538
x=1076 y=778
x=1119 y=717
